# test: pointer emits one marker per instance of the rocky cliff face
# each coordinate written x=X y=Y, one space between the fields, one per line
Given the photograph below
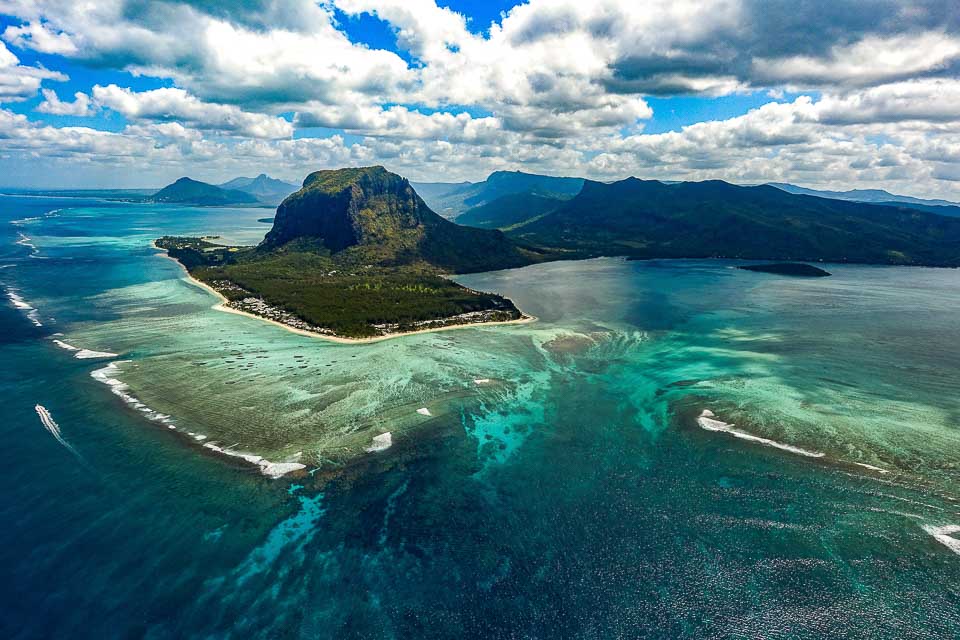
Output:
x=348 y=207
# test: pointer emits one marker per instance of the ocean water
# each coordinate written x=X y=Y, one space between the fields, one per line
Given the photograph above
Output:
x=559 y=483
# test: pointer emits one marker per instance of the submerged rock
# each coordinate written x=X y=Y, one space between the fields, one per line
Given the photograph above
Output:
x=799 y=269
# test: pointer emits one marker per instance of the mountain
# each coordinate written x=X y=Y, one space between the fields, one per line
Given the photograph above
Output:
x=507 y=211
x=650 y=219
x=375 y=216
x=875 y=196
x=266 y=189
x=187 y=191
x=459 y=197
x=356 y=252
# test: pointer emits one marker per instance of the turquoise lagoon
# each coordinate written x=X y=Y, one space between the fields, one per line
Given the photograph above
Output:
x=558 y=483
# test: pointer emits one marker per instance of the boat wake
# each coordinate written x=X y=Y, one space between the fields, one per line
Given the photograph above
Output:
x=708 y=421
x=53 y=428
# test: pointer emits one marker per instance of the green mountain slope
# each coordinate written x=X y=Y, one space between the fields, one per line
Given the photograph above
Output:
x=716 y=219
x=187 y=191
x=508 y=211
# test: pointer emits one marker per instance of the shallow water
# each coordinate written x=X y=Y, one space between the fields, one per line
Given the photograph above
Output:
x=570 y=493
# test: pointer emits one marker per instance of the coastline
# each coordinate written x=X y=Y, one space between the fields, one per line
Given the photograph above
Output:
x=222 y=306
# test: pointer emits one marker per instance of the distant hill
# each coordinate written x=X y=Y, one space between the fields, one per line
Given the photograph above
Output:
x=266 y=189
x=876 y=196
x=193 y=192
x=647 y=219
x=508 y=211
x=442 y=197
x=458 y=197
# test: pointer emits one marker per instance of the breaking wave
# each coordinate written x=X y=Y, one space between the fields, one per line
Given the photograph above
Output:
x=32 y=313
x=707 y=420
x=107 y=375
x=943 y=536
x=83 y=354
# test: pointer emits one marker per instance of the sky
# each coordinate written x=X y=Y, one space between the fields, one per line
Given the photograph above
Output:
x=833 y=94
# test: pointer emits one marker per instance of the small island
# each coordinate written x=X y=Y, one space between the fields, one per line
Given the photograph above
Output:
x=797 y=269
x=356 y=255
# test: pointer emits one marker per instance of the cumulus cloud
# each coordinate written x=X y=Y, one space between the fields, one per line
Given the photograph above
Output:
x=932 y=100
x=51 y=104
x=39 y=37
x=171 y=104
x=19 y=82
x=868 y=62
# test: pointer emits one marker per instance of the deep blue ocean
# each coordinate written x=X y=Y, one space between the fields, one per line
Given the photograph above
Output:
x=561 y=486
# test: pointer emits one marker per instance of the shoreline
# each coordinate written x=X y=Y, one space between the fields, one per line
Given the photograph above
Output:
x=222 y=307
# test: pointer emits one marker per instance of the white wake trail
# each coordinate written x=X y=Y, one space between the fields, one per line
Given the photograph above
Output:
x=51 y=426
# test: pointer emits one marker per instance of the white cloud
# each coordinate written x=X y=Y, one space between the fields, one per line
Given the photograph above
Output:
x=868 y=62
x=39 y=37
x=19 y=82
x=400 y=122
x=170 y=104
x=932 y=100
x=558 y=86
x=53 y=105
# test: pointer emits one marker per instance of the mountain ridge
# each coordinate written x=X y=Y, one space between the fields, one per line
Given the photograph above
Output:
x=873 y=196
x=266 y=189
x=460 y=197
x=648 y=218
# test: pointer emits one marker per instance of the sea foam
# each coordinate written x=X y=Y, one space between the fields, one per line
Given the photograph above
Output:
x=707 y=420
x=83 y=354
x=944 y=537
x=107 y=375
x=270 y=469
x=17 y=300
x=381 y=442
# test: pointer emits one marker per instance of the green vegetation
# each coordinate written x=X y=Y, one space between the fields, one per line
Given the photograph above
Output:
x=510 y=211
x=332 y=294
